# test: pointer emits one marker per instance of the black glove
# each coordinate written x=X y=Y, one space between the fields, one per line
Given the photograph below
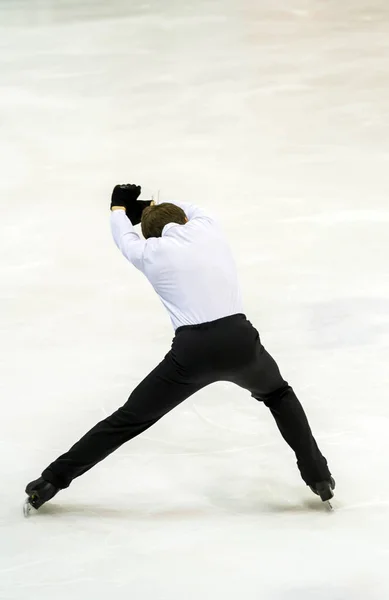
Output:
x=123 y=194
x=135 y=209
x=127 y=195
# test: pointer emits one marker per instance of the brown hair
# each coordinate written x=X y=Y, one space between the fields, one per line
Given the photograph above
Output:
x=154 y=218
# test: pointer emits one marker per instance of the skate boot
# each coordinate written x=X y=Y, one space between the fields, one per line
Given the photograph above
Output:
x=38 y=492
x=324 y=489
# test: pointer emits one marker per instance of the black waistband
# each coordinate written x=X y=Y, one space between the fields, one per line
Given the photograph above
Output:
x=215 y=323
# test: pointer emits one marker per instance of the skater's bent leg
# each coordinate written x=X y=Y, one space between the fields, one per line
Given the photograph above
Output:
x=266 y=384
x=161 y=391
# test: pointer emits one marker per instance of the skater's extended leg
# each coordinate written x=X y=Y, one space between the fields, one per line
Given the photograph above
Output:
x=293 y=424
x=161 y=391
x=263 y=379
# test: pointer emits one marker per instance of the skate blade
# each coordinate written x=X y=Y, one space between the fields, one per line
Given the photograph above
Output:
x=27 y=508
x=329 y=506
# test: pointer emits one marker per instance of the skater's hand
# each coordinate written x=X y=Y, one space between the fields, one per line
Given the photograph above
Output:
x=126 y=196
x=122 y=195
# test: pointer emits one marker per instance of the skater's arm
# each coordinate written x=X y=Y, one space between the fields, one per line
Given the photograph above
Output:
x=194 y=212
x=126 y=238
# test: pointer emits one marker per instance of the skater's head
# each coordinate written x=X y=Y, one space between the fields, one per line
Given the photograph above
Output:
x=155 y=217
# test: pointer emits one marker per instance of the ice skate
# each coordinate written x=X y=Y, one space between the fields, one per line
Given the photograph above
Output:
x=38 y=492
x=324 y=489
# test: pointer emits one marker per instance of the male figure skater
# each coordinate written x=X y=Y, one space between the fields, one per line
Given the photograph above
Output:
x=187 y=260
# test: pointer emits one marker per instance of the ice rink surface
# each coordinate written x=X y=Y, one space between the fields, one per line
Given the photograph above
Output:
x=273 y=114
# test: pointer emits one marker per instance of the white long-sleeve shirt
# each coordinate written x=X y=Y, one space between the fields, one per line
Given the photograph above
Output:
x=190 y=266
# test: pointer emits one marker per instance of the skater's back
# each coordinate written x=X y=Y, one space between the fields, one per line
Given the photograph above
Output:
x=190 y=265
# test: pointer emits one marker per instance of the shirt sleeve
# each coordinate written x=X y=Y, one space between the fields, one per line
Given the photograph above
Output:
x=126 y=239
x=194 y=212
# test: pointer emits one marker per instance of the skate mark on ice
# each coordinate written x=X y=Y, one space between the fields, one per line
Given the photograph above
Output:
x=371 y=504
x=194 y=453
x=218 y=425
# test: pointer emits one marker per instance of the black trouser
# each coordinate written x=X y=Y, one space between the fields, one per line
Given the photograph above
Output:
x=227 y=349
